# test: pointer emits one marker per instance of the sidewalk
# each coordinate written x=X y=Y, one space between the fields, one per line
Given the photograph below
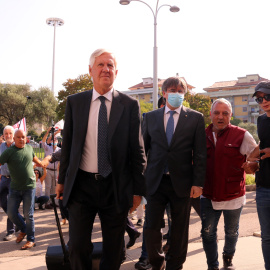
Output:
x=248 y=253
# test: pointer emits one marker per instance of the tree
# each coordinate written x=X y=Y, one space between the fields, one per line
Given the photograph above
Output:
x=251 y=128
x=235 y=121
x=14 y=105
x=201 y=104
x=145 y=106
x=72 y=86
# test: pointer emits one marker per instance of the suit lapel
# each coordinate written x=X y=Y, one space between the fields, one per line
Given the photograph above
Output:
x=115 y=114
x=183 y=118
x=160 y=123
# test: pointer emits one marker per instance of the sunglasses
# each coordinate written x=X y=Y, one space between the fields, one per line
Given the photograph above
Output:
x=36 y=172
x=259 y=100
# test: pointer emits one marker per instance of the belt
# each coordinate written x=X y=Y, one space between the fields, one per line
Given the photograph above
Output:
x=95 y=176
x=52 y=169
x=7 y=176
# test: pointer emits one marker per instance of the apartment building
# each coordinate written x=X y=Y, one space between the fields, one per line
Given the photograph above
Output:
x=239 y=92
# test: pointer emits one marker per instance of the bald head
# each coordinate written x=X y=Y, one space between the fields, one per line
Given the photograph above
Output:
x=20 y=138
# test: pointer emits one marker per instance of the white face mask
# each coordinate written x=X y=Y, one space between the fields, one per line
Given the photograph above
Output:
x=175 y=99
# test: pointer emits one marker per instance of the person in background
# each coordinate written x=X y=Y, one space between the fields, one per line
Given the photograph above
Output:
x=224 y=188
x=50 y=180
x=40 y=199
x=5 y=181
x=19 y=158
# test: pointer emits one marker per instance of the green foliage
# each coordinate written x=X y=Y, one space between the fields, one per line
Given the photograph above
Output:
x=235 y=121
x=201 y=104
x=72 y=86
x=145 y=106
x=251 y=128
x=14 y=105
x=250 y=179
x=33 y=134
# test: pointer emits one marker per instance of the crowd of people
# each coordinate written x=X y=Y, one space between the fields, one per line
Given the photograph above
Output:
x=112 y=164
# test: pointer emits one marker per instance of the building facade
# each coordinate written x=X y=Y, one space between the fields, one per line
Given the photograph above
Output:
x=239 y=92
x=144 y=89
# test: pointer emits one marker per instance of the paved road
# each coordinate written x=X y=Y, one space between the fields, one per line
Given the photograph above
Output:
x=248 y=255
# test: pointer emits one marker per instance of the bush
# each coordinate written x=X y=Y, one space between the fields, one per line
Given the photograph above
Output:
x=250 y=179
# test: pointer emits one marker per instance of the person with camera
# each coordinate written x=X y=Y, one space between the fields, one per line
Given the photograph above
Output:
x=50 y=145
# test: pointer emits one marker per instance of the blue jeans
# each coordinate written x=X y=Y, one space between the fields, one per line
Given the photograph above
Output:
x=210 y=219
x=28 y=198
x=263 y=208
x=4 y=191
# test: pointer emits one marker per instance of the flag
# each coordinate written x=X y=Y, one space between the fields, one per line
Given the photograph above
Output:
x=59 y=125
x=21 y=125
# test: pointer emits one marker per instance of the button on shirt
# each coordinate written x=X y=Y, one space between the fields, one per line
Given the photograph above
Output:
x=4 y=167
x=89 y=161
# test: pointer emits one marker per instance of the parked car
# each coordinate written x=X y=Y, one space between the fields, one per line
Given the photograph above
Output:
x=33 y=144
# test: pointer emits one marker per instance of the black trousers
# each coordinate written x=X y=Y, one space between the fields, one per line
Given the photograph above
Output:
x=180 y=213
x=90 y=197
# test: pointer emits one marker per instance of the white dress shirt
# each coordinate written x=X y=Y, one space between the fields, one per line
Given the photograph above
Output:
x=89 y=161
x=175 y=116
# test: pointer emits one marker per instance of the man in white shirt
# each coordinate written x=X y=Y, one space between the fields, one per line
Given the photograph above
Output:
x=224 y=188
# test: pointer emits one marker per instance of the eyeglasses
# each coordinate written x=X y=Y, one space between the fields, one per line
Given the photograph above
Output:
x=36 y=172
x=260 y=99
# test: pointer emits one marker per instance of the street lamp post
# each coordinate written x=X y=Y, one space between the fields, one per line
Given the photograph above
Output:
x=155 y=54
x=54 y=22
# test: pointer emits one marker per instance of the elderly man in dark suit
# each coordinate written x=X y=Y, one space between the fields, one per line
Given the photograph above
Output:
x=174 y=138
x=102 y=164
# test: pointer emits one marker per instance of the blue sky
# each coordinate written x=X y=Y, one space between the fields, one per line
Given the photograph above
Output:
x=207 y=41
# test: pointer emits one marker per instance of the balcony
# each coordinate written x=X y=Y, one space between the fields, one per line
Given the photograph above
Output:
x=252 y=103
x=255 y=113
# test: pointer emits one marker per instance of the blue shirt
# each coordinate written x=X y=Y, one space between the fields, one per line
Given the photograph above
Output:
x=4 y=167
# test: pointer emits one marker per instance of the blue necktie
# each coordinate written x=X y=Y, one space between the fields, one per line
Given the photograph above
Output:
x=104 y=166
x=169 y=134
x=170 y=128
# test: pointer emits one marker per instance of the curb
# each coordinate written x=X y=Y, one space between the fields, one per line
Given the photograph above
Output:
x=250 y=187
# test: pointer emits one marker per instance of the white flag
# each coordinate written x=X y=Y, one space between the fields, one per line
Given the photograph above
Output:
x=59 y=125
x=21 y=125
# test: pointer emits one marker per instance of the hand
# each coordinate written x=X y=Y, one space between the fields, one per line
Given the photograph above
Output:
x=136 y=202
x=59 y=190
x=195 y=192
x=250 y=167
x=266 y=153
x=46 y=161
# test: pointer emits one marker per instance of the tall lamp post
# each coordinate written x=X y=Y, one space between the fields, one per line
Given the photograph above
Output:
x=155 y=55
x=54 y=22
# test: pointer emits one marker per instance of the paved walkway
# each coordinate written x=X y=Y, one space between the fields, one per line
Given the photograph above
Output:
x=248 y=255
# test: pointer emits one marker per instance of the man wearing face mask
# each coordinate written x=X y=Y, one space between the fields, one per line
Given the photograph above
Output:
x=174 y=138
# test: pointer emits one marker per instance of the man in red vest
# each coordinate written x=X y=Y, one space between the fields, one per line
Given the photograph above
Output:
x=224 y=189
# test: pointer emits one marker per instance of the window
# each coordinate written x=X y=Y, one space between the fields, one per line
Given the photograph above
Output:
x=244 y=109
x=244 y=98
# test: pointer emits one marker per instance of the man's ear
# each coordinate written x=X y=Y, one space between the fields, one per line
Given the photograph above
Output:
x=90 y=69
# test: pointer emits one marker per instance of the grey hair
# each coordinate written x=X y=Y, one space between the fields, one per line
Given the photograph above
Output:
x=9 y=127
x=99 y=52
x=224 y=101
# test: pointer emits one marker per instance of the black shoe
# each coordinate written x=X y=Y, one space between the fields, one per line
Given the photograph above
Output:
x=165 y=236
x=48 y=206
x=227 y=262
x=41 y=207
x=132 y=239
x=9 y=237
x=140 y=222
x=143 y=264
x=215 y=268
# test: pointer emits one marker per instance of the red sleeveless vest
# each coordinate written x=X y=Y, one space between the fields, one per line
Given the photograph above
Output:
x=225 y=179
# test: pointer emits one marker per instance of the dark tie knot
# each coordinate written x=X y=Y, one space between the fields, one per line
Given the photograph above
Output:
x=102 y=99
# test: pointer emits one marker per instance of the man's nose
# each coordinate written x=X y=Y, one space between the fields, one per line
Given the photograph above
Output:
x=105 y=68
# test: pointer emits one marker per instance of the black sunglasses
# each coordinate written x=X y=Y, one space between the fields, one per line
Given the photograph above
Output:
x=260 y=99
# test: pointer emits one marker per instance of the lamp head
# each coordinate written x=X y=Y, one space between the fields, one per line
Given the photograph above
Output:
x=174 y=9
x=124 y=2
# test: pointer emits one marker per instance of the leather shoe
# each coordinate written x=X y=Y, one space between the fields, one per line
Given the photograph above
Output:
x=140 y=222
x=20 y=237
x=48 y=206
x=9 y=237
x=143 y=264
x=132 y=239
x=28 y=245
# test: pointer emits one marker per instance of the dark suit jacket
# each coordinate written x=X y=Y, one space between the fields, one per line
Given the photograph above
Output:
x=125 y=144
x=186 y=156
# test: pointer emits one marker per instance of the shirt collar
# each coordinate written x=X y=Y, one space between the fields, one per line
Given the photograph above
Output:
x=167 y=109
x=108 y=95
